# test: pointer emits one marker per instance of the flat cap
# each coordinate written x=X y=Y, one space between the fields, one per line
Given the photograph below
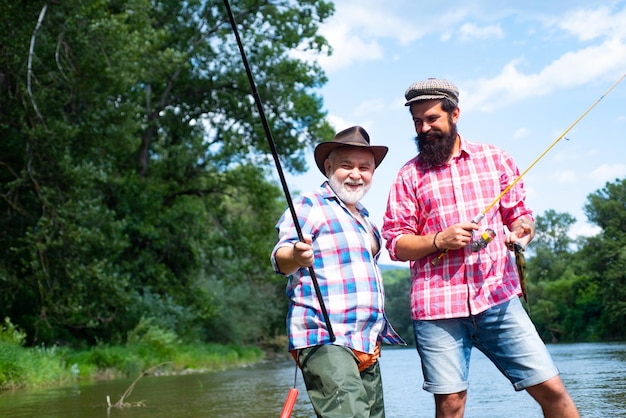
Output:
x=429 y=89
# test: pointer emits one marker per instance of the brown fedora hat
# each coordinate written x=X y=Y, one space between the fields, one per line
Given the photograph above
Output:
x=354 y=136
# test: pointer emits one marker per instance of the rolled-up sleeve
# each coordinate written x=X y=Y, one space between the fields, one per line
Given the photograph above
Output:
x=401 y=214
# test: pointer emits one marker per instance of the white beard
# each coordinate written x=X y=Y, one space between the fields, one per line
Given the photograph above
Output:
x=350 y=197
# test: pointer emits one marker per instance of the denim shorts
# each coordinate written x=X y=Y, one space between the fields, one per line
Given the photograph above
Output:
x=504 y=333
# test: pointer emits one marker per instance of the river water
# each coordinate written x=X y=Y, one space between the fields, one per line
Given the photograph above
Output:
x=594 y=373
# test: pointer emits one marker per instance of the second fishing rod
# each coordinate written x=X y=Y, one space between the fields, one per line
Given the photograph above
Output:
x=487 y=236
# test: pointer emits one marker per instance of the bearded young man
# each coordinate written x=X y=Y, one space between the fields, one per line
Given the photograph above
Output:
x=342 y=244
x=462 y=295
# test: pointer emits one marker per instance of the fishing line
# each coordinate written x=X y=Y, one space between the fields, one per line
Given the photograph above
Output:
x=283 y=182
x=480 y=216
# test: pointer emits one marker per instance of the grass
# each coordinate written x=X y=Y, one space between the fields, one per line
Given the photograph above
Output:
x=30 y=367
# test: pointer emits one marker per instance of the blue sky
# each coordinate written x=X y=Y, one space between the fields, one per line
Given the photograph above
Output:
x=526 y=70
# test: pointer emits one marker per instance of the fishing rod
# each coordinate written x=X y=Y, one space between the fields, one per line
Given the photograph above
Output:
x=283 y=182
x=487 y=237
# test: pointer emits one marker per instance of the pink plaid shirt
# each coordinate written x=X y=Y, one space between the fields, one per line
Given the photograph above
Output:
x=425 y=201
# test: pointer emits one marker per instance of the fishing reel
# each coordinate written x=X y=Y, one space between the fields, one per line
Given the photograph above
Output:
x=476 y=245
x=485 y=238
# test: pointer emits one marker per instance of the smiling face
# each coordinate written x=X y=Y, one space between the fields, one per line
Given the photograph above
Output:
x=350 y=171
x=437 y=136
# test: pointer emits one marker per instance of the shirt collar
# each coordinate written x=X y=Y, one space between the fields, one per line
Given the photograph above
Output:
x=465 y=148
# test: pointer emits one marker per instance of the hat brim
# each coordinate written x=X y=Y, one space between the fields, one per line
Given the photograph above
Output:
x=323 y=149
x=427 y=97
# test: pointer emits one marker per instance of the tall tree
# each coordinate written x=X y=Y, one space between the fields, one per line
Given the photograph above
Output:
x=564 y=303
x=551 y=245
x=606 y=254
x=129 y=140
x=397 y=304
x=580 y=294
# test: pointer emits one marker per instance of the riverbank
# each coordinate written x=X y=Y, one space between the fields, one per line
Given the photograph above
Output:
x=594 y=374
x=156 y=351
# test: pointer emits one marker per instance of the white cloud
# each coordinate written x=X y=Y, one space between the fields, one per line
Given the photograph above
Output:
x=564 y=176
x=357 y=28
x=470 y=31
x=338 y=123
x=608 y=173
x=572 y=69
x=602 y=58
x=583 y=229
x=347 y=48
x=574 y=154
x=398 y=20
x=369 y=107
x=589 y=24
x=521 y=133
x=376 y=20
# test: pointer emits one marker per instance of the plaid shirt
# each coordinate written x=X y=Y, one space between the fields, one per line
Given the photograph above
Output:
x=423 y=201
x=347 y=273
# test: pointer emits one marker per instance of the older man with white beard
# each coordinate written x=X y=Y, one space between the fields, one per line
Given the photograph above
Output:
x=341 y=243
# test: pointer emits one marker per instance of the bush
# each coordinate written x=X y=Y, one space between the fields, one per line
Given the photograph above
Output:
x=9 y=333
x=150 y=341
x=22 y=367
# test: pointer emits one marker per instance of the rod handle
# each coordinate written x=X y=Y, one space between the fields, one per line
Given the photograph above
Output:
x=290 y=402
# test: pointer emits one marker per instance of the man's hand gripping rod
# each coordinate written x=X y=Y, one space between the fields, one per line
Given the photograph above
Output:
x=480 y=216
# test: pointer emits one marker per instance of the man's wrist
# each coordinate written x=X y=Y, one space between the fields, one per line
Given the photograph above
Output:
x=435 y=241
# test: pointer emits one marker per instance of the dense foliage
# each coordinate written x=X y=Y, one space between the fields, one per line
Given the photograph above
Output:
x=397 y=306
x=577 y=288
x=148 y=349
x=133 y=163
x=134 y=177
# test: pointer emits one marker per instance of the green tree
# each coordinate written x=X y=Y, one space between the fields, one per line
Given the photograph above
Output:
x=133 y=161
x=397 y=304
x=605 y=254
x=551 y=246
x=562 y=295
x=580 y=295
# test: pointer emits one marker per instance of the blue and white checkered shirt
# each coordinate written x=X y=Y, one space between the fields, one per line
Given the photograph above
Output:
x=347 y=273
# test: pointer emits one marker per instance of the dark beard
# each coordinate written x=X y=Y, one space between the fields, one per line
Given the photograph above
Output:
x=435 y=148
